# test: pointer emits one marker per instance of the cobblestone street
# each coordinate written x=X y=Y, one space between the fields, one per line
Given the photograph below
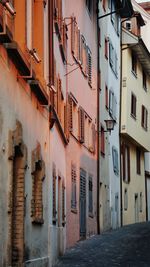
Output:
x=128 y=246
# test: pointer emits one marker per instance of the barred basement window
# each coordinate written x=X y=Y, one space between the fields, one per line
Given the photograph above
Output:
x=73 y=187
x=90 y=195
x=54 y=194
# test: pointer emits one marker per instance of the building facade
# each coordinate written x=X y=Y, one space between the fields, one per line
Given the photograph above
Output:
x=134 y=119
x=109 y=71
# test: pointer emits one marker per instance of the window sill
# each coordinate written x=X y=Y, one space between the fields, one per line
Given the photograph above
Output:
x=37 y=221
x=103 y=154
x=133 y=116
x=91 y=215
x=74 y=210
x=134 y=73
x=144 y=128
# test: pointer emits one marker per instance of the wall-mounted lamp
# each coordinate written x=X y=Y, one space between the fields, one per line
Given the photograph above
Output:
x=109 y=125
x=8 y=6
x=35 y=55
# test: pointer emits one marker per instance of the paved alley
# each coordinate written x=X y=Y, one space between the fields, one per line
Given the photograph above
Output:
x=128 y=246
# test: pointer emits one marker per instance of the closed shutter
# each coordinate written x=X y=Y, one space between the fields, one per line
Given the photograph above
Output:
x=70 y=111
x=93 y=137
x=81 y=125
x=73 y=185
x=73 y=25
x=89 y=68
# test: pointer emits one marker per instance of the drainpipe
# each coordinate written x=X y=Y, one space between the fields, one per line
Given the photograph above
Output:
x=121 y=211
x=98 y=118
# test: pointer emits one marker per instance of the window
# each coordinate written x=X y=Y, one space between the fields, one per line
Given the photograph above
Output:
x=81 y=125
x=106 y=48
x=141 y=202
x=133 y=105
x=102 y=141
x=144 y=81
x=144 y=118
x=125 y=199
x=104 y=5
x=99 y=36
x=138 y=161
x=89 y=66
x=125 y=162
x=134 y=63
x=54 y=194
x=106 y=97
x=111 y=54
x=63 y=204
x=90 y=195
x=115 y=160
x=89 y=5
x=112 y=105
x=99 y=80
x=73 y=187
x=29 y=22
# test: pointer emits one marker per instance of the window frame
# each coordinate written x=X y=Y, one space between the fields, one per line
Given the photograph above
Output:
x=133 y=105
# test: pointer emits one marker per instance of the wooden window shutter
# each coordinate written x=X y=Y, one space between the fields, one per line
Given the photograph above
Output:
x=81 y=125
x=70 y=117
x=89 y=68
x=93 y=137
x=59 y=89
x=99 y=80
x=73 y=25
x=73 y=187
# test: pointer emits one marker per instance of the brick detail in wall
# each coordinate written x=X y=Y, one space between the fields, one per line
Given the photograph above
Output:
x=17 y=154
x=38 y=175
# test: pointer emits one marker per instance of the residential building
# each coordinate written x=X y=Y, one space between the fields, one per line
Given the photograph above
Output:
x=24 y=133
x=135 y=123
x=109 y=71
x=81 y=152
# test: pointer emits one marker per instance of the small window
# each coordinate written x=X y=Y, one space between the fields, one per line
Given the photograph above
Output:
x=144 y=81
x=102 y=141
x=89 y=5
x=133 y=105
x=138 y=161
x=125 y=199
x=144 y=118
x=104 y=5
x=115 y=160
x=134 y=63
x=106 y=48
x=128 y=25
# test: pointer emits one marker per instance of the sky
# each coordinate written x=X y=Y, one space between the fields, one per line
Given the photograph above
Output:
x=140 y=1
